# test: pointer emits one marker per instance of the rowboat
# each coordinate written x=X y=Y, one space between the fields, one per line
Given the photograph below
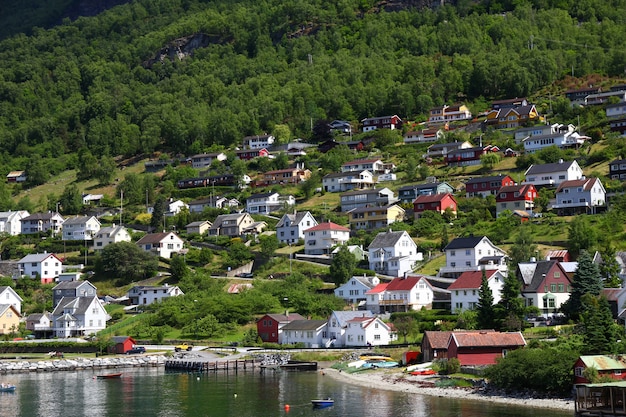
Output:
x=426 y=371
x=109 y=376
x=323 y=403
x=7 y=388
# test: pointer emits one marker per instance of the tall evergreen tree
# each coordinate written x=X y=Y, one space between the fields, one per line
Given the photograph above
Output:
x=156 y=222
x=587 y=280
x=597 y=326
x=485 y=305
x=511 y=303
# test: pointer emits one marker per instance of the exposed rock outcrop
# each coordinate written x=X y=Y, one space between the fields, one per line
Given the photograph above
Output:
x=180 y=48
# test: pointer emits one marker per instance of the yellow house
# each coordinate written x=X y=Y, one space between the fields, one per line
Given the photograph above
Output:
x=375 y=217
x=9 y=319
x=512 y=117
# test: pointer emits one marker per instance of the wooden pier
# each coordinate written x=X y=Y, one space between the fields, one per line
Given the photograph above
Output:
x=205 y=366
x=601 y=400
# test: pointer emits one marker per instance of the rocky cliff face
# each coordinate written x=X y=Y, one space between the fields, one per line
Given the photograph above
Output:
x=180 y=48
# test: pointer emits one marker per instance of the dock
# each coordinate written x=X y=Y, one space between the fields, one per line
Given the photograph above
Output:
x=210 y=366
x=291 y=366
x=601 y=400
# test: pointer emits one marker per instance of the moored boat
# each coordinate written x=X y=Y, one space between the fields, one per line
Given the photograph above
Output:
x=7 y=388
x=323 y=403
x=109 y=376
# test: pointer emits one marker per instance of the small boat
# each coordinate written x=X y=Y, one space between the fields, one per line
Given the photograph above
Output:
x=385 y=364
x=7 y=388
x=323 y=403
x=426 y=371
x=371 y=358
x=109 y=376
x=356 y=364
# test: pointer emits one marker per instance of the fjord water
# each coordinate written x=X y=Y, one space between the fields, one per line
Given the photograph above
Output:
x=154 y=392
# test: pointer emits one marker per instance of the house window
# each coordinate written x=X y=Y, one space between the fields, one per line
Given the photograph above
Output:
x=459 y=306
x=557 y=274
x=552 y=287
x=468 y=252
x=452 y=264
x=452 y=253
x=341 y=293
x=376 y=337
x=561 y=287
x=578 y=371
x=468 y=263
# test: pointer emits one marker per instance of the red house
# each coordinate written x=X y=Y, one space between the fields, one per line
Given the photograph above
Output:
x=269 y=325
x=471 y=156
x=385 y=122
x=435 y=202
x=485 y=186
x=516 y=197
x=435 y=345
x=482 y=348
x=122 y=344
x=613 y=367
x=247 y=154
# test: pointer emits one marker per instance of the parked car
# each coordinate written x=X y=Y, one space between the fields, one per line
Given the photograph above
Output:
x=136 y=350
x=245 y=275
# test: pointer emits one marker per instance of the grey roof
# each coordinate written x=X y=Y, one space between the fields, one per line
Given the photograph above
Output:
x=38 y=316
x=71 y=285
x=110 y=231
x=464 y=242
x=304 y=325
x=80 y=304
x=486 y=179
x=426 y=186
x=5 y=307
x=120 y=339
x=282 y=318
x=553 y=167
x=533 y=274
x=368 y=191
x=366 y=209
x=346 y=174
x=261 y=195
x=40 y=216
x=36 y=257
x=386 y=239
x=369 y=282
x=344 y=316
x=77 y=220
x=295 y=218
x=198 y=223
x=223 y=217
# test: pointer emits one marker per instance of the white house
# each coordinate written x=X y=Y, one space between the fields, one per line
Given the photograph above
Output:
x=204 y=160
x=393 y=253
x=405 y=294
x=374 y=297
x=541 y=130
x=10 y=297
x=560 y=140
x=308 y=332
x=321 y=239
x=368 y=331
x=553 y=174
x=45 y=265
x=377 y=197
x=585 y=195
x=173 y=208
x=258 y=141
x=80 y=228
x=161 y=244
x=337 y=326
x=41 y=223
x=345 y=181
x=70 y=289
x=465 y=290
x=376 y=166
x=265 y=203
x=110 y=234
x=353 y=291
x=472 y=254
x=290 y=228
x=144 y=295
x=10 y=221
x=78 y=316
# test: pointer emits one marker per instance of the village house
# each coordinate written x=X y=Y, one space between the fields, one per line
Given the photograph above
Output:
x=553 y=174
x=425 y=135
x=482 y=348
x=516 y=197
x=290 y=228
x=540 y=130
x=447 y=113
x=80 y=228
x=200 y=227
x=583 y=196
x=578 y=96
x=204 y=160
x=258 y=141
x=440 y=203
x=121 y=344
x=376 y=197
x=16 y=177
x=42 y=223
x=143 y=295
x=472 y=254
x=486 y=186
x=511 y=117
x=10 y=297
x=440 y=150
x=470 y=156
x=374 y=297
x=46 y=266
x=375 y=166
x=341 y=126
x=270 y=325
x=321 y=239
x=72 y=289
x=384 y=122
x=110 y=234
x=356 y=250
x=346 y=181
x=265 y=203
x=309 y=333
x=393 y=253
x=604 y=97
x=408 y=193
x=40 y=324
x=198 y=206
x=545 y=284
x=509 y=103
x=173 y=207
x=78 y=316
x=353 y=291
x=613 y=367
x=562 y=140
x=9 y=319
x=405 y=294
x=89 y=199
x=10 y=221
x=369 y=218
x=337 y=325
x=617 y=169
x=465 y=291
x=248 y=154
x=232 y=225
x=161 y=244
x=435 y=345
x=369 y=331
x=284 y=176
x=616 y=113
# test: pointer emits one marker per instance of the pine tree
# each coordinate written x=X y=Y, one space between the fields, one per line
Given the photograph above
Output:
x=512 y=303
x=485 y=305
x=587 y=280
x=597 y=327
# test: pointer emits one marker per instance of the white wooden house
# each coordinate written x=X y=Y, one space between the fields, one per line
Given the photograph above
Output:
x=353 y=291
x=368 y=331
x=161 y=244
x=45 y=265
x=290 y=228
x=465 y=290
x=110 y=234
x=80 y=228
x=78 y=316
x=393 y=253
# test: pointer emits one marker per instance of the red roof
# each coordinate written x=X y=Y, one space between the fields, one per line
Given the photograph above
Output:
x=491 y=339
x=586 y=184
x=378 y=289
x=403 y=284
x=327 y=226
x=425 y=199
x=437 y=340
x=471 y=279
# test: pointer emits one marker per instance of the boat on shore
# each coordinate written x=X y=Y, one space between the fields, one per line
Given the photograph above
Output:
x=328 y=402
x=109 y=376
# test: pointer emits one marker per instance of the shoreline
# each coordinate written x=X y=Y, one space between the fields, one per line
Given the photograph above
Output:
x=395 y=380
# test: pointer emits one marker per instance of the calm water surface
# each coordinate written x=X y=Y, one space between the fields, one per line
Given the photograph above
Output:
x=154 y=392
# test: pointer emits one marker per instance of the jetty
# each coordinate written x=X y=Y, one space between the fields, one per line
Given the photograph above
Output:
x=209 y=366
x=601 y=400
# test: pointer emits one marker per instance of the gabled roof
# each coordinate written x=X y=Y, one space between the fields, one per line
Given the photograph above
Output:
x=344 y=316
x=471 y=279
x=405 y=284
x=155 y=237
x=369 y=282
x=304 y=325
x=79 y=220
x=533 y=274
x=79 y=304
x=71 y=285
x=465 y=242
x=121 y=339
x=110 y=231
x=198 y=223
x=327 y=226
x=488 y=339
x=348 y=174
x=603 y=362
x=387 y=239
x=294 y=218
x=40 y=216
x=432 y=198
x=282 y=318
x=586 y=184
x=426 y=186
x=378 y=289
x=437 y=339
x=37 y=257
x=5 y=287
x=546 y=168
x=367 y=191
x=262 y=195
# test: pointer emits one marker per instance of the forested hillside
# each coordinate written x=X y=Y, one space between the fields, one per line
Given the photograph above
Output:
x=92 y=85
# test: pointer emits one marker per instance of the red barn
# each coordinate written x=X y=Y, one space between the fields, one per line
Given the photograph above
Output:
x=613 y=367
x=435 y=202
x=269 y=325
x=122 y=344
x=482 y=348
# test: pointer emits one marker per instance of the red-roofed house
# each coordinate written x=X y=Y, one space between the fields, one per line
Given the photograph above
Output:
x=435 y=202
x=405 y=294
x=464 y=292
x=269 y=326
x=558 y=255
x=482 y=348
x=435 y=345
x=516 y=197
x=284 y=176
x=321 y=239
x=373 y=297
x=368 y=331
x=486 y=186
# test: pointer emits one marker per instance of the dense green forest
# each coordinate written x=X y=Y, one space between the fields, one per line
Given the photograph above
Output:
x=91 y=85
